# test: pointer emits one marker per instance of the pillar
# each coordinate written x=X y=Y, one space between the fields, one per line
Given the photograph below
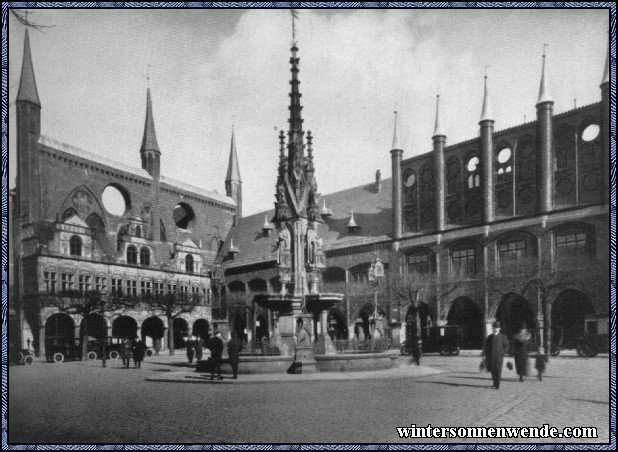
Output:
x=396 y=155
x=487 y=146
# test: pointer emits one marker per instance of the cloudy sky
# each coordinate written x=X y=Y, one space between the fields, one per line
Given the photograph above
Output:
x=209 y=69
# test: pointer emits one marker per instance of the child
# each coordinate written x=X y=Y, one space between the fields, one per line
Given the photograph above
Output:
x=541 y=359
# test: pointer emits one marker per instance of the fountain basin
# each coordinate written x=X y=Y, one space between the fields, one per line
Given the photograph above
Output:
x=355 y=362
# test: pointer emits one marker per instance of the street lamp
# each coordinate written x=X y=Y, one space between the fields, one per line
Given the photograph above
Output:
x=376 y=273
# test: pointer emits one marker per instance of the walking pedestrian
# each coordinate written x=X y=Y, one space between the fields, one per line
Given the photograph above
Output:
x=199 y=347
x=540 y=361
x=138 y=353
x=496 y=346
x=233 y=352
x=190 y=349
x=522 y=339
x=126 y=352
x=216 y=349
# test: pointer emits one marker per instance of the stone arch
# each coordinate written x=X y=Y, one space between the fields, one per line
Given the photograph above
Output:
x=95 y=325
x=153 y=330
x=181 y=331
x=83 y=202
x=123 y=327
x=568 y=312
x=362 y=320
x=59 y=331
x=466 y=314
x=513 y=311
x=201 y=329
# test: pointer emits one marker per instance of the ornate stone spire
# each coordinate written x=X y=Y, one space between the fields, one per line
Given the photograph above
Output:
x=486 y=112
x=27 y=83
x=149 y=141
x=544 y=95
x=295 y=133
x=233 y=171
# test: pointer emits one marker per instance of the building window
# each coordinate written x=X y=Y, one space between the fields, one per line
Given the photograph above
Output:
x=206 y=295
x=144 y=257
x=172 y=288
x=189 y=264
x=100 y=284
x=464 y=262
x=84 y=283
x=75 y=246
x=505 y=167
x=131 y=287
x=67 y=281
x=360 y=273
x=572 y=244
x=50 y=281
x=131 y=255
x=138 y=231
x=418 y=263
x=474 y=176
x=512 y=251
x=116 y=286
x=146 y=287
x=159 y=288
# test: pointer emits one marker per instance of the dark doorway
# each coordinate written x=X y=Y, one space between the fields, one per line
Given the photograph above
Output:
x=59 y=330
x=153 y=330
x=568 y=317
x=124 y=327
x=201 y=328
x=337 y=328
x=466 y=314
x=181 y=331
x=513 y=312
x=261 y=327
x=96 y=327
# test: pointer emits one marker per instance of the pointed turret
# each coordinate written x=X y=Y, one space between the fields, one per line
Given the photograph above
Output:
x=296 y=145
x=544 y=95
x=437 y=129
x=150 y=152
x=27 y=83
x=486 y=112
x=439 y=141
x=233 y=183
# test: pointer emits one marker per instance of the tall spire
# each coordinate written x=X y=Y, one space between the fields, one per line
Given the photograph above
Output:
x=544 y=95
x=295 y=133
x=149 y=141
x=486 y=112
x=27 y=83
x=437 y=130
x=233 y=171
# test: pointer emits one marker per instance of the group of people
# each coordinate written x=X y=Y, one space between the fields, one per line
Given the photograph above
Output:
x=497 y=345
x=215 y=345
x=133 y=349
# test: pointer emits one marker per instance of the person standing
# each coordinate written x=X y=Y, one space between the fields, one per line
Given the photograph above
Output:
x=496 y=346
x=522 y=339
x=199 y=347
x=233 y=352
x=138 y=353
x=190 y=349
x=216 y=349
x=126 y=352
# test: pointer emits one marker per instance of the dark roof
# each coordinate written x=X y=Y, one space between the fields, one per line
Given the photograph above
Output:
x=372 y=213
x=27 y=84
x=149 y=141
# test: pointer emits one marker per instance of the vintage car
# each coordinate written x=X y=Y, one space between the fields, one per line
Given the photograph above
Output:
x=445 y=340
x=596 y=339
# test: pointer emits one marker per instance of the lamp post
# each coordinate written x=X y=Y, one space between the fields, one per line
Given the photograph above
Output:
x=376 y=273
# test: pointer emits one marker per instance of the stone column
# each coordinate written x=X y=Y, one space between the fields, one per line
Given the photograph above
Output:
x=544 y=113
x=397 y=195
x=487 y=146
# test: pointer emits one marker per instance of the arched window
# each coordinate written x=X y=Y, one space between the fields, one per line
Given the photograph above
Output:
x=505 y=164
x=189 y=263
x=419 y=261
x=144 y=257
x=452 y=176
x=474 y=176
x=131 y=255
x=138 y=231
x=75 y=246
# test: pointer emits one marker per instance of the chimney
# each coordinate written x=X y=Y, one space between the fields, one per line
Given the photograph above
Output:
x=378 y=181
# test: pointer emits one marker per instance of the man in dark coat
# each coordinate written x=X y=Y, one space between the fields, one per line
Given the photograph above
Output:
x=520 y=353
x=496 y=346
x=138 y=353
x=233 y=352
x=216 y=351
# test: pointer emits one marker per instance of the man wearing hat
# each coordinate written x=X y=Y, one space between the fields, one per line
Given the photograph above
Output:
x=496 y=346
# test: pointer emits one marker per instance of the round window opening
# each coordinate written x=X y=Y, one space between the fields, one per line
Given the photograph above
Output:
x=114 y=201
x=591 y=132
x=410 y=179
x=183 y=216
x=473 y=163
x=504 y=155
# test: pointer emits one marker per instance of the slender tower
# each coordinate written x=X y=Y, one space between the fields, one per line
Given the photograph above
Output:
x=439 y=141
x=487 y=131
x=233 y=182
x=544 y=115
x=396 y=154
x=28 y=130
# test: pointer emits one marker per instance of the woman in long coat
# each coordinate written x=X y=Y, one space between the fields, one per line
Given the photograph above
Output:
x=522 y=339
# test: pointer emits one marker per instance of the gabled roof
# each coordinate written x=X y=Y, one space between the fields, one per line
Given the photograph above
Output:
x=372 y=213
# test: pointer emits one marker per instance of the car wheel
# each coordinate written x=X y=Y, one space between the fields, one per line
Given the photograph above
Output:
x=405 y=351
x=58 y=357
x=28 y=360
x=444 y=352
x=92 y=356
x=21 y=358
x=555 y=351
x=149 y=352
x=114 y=354
x=455 y=352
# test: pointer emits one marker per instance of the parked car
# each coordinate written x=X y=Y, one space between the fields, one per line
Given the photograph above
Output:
x=20 y=356
x=445 y=340
x=596 y=339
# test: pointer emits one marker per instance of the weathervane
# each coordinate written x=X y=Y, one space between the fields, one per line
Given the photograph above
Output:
x=294 y=17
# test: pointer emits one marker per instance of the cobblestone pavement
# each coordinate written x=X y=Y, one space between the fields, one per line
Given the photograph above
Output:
x=81 y=402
